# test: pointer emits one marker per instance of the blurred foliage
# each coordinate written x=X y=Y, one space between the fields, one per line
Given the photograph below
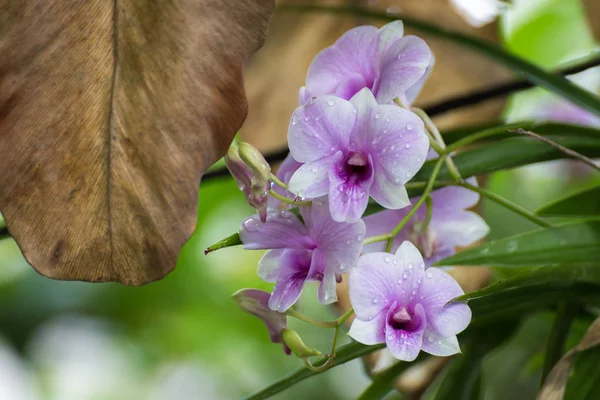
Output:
x=184 y=338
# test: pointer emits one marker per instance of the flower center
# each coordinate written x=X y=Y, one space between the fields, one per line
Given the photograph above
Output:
x=401 y=319
x=357 y=166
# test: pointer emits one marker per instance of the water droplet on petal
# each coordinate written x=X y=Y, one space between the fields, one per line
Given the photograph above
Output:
x=429 y=275
x=354 y=111
x=251 y=225
x=410 y=266
x=348 y=242
x=331 y=102
x=511 y=246
x=375 y=300
x=377 y=115
x=393 y=147
x=360 y=238
x=387 y=259
x=408 y=174
x=394 y=261
x=407 y=145
x=431 y=338
x=409 y=127
x=405 y=275
x=313 y=169
x=387 y=119
x=390 y=337
x=307 y=119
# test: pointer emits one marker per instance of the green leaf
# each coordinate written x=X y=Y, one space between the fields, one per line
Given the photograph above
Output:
x=529 y=71
x=463 y=378
x=516 y=152
x=384 y=382
x=584 y=382
x=583 y=203
x=229 y=241
x=573 y=244
x=344 y=354
x=533 y=290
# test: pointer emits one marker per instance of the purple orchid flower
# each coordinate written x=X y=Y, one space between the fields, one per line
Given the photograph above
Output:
x=384 y=61
x=255 y=302
x=400 y=303
x=451 y=225
x=318 y=250
x=284 y=173
x=353 y=149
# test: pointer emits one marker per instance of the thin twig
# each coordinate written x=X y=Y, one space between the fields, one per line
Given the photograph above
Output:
x=559 y=147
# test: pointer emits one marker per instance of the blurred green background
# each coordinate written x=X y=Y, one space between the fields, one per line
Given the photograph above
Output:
x=183 y=337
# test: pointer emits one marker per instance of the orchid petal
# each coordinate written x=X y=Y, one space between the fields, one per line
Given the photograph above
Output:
x=294 y=269
x=282 y=230
x=268 y=266
x=369 y=332
x=403 y=64
x=390 y=33
x=320 y=127
x=311 y=180
x=353 y=54
x=436 y=290
x=437 y=345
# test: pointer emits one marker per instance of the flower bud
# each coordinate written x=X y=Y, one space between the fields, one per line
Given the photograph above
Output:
x=252 y=174
x=295 y=343
x=256 y=302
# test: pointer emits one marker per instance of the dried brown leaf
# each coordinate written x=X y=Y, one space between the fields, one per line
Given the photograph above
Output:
x=110 y=111
x=556 y=382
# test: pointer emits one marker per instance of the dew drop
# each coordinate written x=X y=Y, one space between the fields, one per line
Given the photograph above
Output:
x=251 y=225
x=410 y=266
x=377 y=115
x=375 y=300
x=394 y=261
x=405 y=275
x=331 y=102
x=407 y=145
x=409 y=127
x=348 y=241
x=387 y=259
x=313 y=169
x=431 y=338
x=385 y=131
x=306 y=119
x=408 y=174
x=511 y=246
x=429 y=275
x=390 y=337
x=360 y=238
x=387 y=119
x=318 y=117
x=393 y=147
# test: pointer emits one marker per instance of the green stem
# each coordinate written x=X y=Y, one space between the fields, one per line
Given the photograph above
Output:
x=484 y=134
x=304 y=318
x=288 y=200
x=374 y=239
x=517 y=209
x=429 y=205
x=278 y=182
x=417 y=205
x=556 y=341
x=454 y=172
x=345 y=316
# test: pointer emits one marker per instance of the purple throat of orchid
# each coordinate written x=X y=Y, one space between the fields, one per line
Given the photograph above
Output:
x=355 y=83
x=403 y=320
x=355 y=168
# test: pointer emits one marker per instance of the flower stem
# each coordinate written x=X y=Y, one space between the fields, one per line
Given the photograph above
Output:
x=378 y=238
x=517 y=209
x=288 y=200
x=345 y=316
x=437 y=136
x=304 y=318
x=418 y=204
x=278 y=182
x=429 y=205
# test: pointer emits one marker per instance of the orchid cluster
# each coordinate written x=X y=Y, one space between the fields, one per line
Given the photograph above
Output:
x=355 y=143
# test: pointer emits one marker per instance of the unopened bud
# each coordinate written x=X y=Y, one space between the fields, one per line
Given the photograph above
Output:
x=295 y=343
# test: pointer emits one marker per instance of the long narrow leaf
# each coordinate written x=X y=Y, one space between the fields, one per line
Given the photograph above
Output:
x=529 y=71
x=574 y=244
x=583 y=203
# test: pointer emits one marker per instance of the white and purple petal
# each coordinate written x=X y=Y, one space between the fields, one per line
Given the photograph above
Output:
x=282 y=230
x=403 y=64
x=320 y=128
x=294 y=267
x=369 y=332
x=436 y=290
x=405 y=345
